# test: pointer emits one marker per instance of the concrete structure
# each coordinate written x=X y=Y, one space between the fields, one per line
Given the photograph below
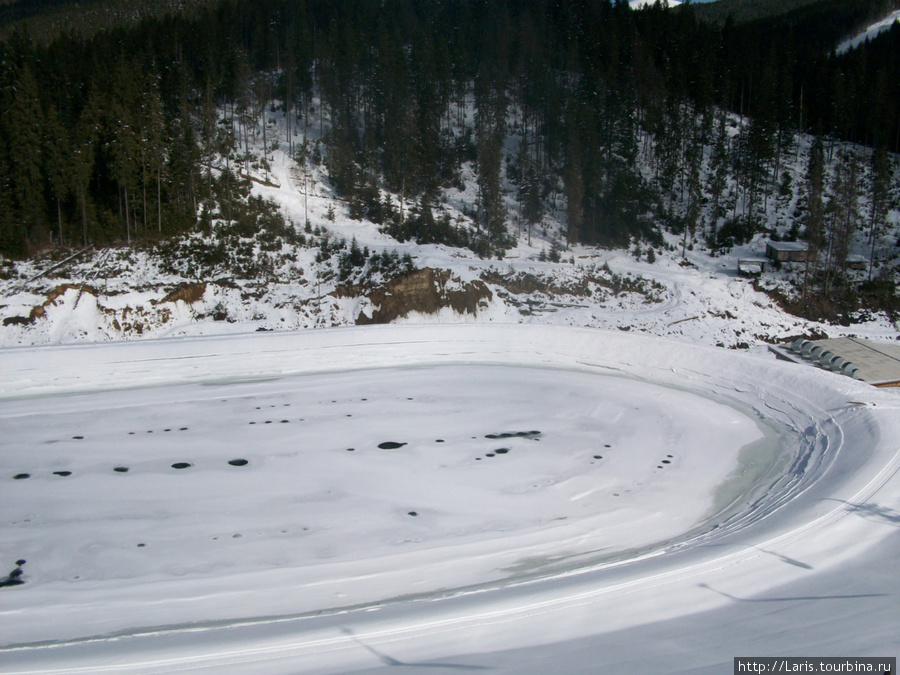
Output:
x=877 y=363
x=787 y=251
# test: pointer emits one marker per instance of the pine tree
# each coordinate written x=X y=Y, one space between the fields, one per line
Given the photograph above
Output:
x=815 y=218
x=490 y=132
x=25 y=144
x=879 y=195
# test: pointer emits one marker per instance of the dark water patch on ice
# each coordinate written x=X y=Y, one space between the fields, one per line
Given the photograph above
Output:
x=598 y=456
x=121 y=469
x=501 y=451
x=285 y=421
x=440 y=440
x=182 y=465
x=141 y=545
x=238 y=462
x=182 y=428
x=77 y=438
x=413 y=513
x=21 y=476
x=63 y=474
x=390 y=445
x=667 y=461
x=167 y=430
x=351 y=449
x=489 y=454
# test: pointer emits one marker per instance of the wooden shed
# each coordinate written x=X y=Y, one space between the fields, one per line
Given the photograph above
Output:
x=787 y=251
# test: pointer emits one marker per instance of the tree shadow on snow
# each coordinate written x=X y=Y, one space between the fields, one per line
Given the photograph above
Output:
x=794 y=598
x=876 y=512
x=391 y=661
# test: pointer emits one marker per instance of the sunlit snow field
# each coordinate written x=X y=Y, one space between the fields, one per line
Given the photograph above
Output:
x=357 y=484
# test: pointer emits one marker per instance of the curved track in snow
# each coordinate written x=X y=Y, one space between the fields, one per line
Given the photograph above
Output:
x=806 y=566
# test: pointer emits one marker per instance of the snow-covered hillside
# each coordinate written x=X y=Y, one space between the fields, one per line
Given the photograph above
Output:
x=296 y=282
x=869 y=33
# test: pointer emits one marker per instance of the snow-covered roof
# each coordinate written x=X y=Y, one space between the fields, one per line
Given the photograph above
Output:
x=877 y=363
x=788 y=245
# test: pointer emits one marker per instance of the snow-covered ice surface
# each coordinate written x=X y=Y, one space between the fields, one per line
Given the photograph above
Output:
x=546 y=498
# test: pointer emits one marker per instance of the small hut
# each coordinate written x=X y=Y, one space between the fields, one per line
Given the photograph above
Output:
x=787 y=251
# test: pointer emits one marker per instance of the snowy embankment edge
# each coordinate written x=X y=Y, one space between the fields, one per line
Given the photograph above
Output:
x=851 y=429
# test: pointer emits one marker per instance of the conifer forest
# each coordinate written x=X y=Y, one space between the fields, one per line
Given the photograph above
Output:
x=622 y=121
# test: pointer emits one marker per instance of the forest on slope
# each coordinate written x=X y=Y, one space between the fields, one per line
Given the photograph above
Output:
x=623 y=120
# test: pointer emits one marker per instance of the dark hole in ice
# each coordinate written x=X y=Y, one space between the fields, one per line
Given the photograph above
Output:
x=501 y=451
x=285 y=421
x=21 y=476
x=489 y=454
x=440 y=440
x=666 y=461
x=78 y=438
x=181 y=465
x=131 y=433
x=670 y=456
x=598 y=456
x=390 y=445
x=350 y=449
x=238 y=462
x=12 y=579
x=413 y=513
x=141 y=545
x=182 y=428
x=513 y=434
x=478 y=459
x=252 y=422
x=167 y=430
x=62 y=473
x=607 y=445
x=121 y=469
x=659 y=466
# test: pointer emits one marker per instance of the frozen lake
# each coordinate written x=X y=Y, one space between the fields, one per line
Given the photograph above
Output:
x=160 y=489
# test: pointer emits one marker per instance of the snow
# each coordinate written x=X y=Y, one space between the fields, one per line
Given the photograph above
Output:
x=869 y=33
x=771 y=528
x=640 y=4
